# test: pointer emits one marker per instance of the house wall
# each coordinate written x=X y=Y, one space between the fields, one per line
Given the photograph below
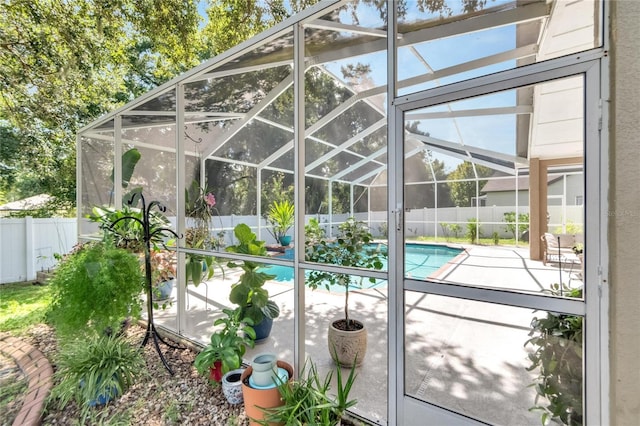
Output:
x=575 y=187
x=624 y=214
x=506 y=198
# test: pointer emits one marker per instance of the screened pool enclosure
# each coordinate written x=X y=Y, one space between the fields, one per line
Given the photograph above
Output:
x=448 y=124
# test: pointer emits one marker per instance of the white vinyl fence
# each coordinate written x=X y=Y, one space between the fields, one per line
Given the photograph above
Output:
x=28 y=245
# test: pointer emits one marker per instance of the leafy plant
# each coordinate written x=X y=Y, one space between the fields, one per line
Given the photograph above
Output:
x=447 y=228
x=95 y=288
x=307 y=400
x=281 y=217
x=129 y=234
x=199 y=267
x=200 y=205
x=227 y=345
x=557 y=339
x=495 y=237
x=510 y=219
x=349 y=249
x=578 y=248
x=94 y=369
x=163 y=265
x=313 y=232
x=248 y=293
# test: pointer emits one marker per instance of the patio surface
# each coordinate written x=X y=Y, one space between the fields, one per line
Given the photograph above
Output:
x=463 y=355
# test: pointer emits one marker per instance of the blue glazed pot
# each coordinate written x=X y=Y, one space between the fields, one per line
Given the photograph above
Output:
x=263 y=329
x=164 y=290
x=101 y=399
x=285 y=240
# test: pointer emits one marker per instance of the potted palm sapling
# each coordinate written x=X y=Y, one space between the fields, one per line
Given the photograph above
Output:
x=347 y=337
x=281 y=217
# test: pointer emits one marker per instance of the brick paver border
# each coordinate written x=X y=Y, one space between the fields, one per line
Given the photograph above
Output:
x=39 y=375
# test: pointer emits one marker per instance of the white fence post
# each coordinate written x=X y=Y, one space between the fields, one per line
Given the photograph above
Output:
x=29 y=249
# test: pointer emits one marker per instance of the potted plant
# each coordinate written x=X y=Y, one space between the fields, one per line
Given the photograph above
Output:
x=200 y=208
x=163 y=272
x=129 y=234
x=93 y=371
x=351 y=248
x=306 y=401
x=281 y=217
x=557 y=342
x=226 y=347
x=97 y=286
x=259 y=399
x=249 y=292
x=198 y=267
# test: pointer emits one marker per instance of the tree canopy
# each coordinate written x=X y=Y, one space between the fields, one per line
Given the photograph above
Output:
x=63 y=64
x=463 y=182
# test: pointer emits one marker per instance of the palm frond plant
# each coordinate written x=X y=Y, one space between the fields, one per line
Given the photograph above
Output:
x=281 y=217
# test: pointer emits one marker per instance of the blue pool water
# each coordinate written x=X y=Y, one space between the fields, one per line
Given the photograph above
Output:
x=421 y=260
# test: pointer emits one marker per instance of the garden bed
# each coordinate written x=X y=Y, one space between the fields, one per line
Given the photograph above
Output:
x=157 y=399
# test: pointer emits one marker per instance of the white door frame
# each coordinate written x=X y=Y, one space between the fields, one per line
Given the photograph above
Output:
x=404 y=408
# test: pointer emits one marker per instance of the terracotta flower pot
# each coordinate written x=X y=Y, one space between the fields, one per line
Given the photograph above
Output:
x=264 y=398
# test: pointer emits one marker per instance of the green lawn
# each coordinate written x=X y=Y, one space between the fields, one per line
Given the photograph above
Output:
x=22 y=305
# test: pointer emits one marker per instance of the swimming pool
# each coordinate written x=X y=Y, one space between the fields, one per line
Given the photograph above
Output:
x=421 y=261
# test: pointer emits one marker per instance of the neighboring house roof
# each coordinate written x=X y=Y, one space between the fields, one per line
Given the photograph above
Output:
x=29 y=203
x=509 y=183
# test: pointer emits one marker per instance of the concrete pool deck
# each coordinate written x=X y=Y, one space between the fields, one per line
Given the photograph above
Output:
x=464 y=355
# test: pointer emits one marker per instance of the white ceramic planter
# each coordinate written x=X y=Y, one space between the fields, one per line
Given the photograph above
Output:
x=232 y=386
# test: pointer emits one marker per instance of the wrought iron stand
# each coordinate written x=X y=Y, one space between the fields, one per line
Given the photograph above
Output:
x=151 y=333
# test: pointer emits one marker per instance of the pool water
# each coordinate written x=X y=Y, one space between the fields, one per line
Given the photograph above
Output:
x=421 y=261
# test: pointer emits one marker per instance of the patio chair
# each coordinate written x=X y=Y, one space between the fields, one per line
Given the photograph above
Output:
x=555 y=250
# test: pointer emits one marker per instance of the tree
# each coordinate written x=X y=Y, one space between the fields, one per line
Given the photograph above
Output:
x=462 y=182
x=62 y=64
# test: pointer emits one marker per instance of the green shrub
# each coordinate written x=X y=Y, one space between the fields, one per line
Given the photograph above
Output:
x=227 y=345
x=95 y=288
x=100 y=367
x=557 y=340
x=473 y=230
x=510 y=219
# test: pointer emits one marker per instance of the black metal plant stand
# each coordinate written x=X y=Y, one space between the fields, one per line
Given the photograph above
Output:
x=151 y=333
